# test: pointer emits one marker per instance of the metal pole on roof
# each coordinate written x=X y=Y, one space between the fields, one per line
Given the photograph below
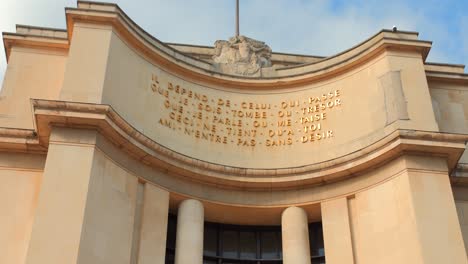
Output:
x=237 y=18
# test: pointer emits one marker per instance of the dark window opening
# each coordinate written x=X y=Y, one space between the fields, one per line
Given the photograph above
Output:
x=229 y=244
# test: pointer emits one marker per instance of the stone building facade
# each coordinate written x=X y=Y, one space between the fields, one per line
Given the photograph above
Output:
x=118 y=148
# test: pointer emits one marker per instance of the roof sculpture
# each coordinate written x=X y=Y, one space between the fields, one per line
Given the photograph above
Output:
x=241 y=56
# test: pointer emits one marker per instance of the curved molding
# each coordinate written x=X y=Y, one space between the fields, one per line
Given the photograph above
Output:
x=459 y=177
x=176 y=62
x=109 y=123
x=451 y=77
x=11 y=40
x=20 y=140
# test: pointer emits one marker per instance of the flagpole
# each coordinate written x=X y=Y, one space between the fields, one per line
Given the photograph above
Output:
x=237 y=18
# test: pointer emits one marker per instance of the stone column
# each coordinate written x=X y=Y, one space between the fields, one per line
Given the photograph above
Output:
x=295 y=233
x=189 y=239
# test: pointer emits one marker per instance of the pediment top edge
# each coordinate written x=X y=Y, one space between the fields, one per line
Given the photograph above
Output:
x=97 y=12
x=281 y=76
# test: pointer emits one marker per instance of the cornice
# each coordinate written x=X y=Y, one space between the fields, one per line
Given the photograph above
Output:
x=114 y=128
x=445 y=67
x=20 y=140
x=459 y=176
x=446 y=76
x=11 y=40
x=177 y=62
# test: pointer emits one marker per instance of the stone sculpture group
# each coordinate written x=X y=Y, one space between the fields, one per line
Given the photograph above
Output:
x=241 y=55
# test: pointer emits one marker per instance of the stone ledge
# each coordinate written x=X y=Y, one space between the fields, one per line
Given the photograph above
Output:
x=459 y=176
x=114 y=128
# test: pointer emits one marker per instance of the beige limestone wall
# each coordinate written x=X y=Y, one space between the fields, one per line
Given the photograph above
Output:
x=109 y=215
x=409 y=219
x=89 y=207
x=92 y=210
x=461 y=200
x=416 y=93
x=235 y=206
x=439 y=230
x=86 y=67
x=31 y=73
x=153 y=233
x=337 y=232
x=370 y=99
x=462 y=209
x=383 y=226
x=20 y=179
x=450 y=102
x=62 y=200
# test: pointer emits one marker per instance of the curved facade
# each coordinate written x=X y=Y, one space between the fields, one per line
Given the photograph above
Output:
x=119 y=148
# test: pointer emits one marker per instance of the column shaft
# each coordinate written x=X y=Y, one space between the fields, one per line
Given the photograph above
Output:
x=295 y=234
x=189 y=239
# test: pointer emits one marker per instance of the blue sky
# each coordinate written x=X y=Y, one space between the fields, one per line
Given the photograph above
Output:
x=318 y=27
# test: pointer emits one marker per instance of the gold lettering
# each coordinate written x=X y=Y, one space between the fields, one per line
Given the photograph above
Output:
x=166 y=123
x=284 y=123
x=260 y=123
x=244 y=123
x=317 y=136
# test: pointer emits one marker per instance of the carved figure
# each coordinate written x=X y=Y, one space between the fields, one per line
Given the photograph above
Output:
x=241 y=56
